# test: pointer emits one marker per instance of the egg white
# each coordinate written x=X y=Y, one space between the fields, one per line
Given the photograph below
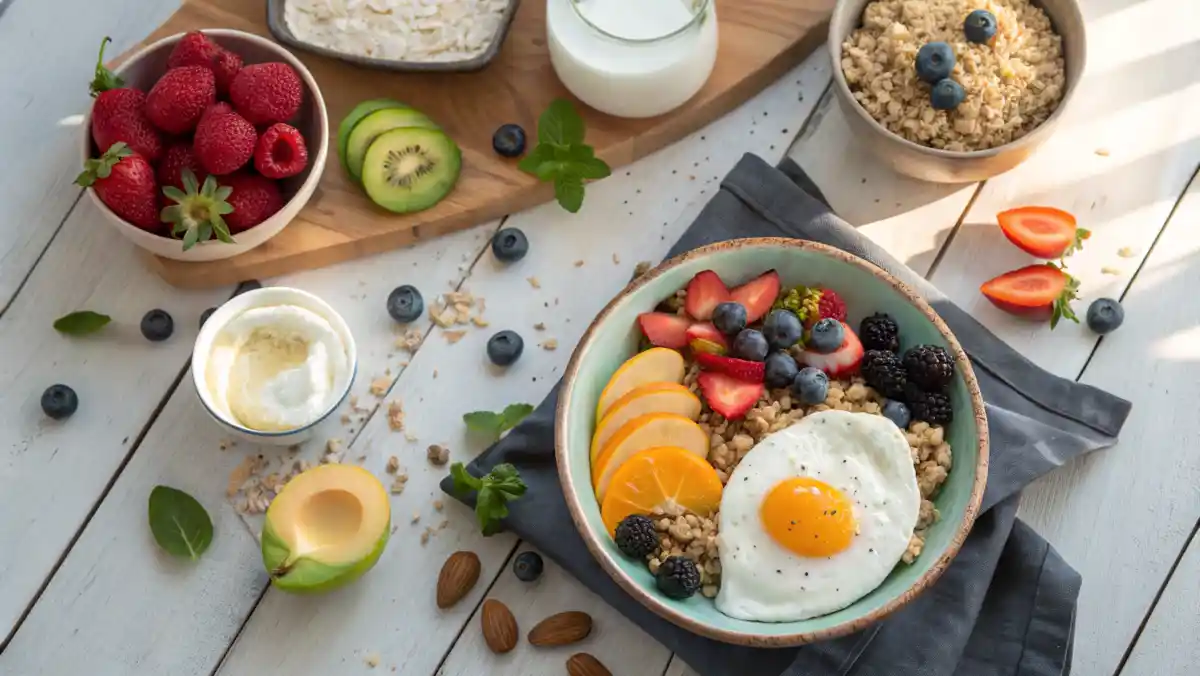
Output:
x=863 y=455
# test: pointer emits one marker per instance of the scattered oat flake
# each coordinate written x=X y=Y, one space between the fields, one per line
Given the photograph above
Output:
x=380 y=386
x=533 y=281
x=410 y=436
x=1126 y=252
x=410 y=341
x=415 y=517
x=239 y=476
x=438 y=454
x=479 y=321
x=579 y=263
x=1110 y=270
x=395 y=415
x=550 y=344
x=372 y=660
x=425 y=537
x=444 y=523
x=393 y=464
x=540 y=326
x=616 y=259
x=1102 y=152
x=438 y=505
x=453 y=337
x=346 y=419
x=399 y=483
x=435 y=373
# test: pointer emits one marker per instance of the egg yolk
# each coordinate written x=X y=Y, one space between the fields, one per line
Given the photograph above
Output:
x=808 y=517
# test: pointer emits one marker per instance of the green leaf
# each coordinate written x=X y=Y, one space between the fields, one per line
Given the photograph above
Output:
x=493 y=491
x=592 y=168
x=513 y=414
x=179 y=523
x=190 y=237
x=104 y=78
x=463 y=481
x=485 y=422
x=551 y=170
x=568 y=190
x=174 y=194
x=1061 y=309
x=534 y=158
x=560 y=124
x=81 y=323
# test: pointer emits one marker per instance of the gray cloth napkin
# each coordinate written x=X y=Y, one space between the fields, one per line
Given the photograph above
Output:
x=1004 y=606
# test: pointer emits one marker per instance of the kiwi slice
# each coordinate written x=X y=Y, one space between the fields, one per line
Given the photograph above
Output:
x=374 y=124
x=360 y=111
x=410 y=169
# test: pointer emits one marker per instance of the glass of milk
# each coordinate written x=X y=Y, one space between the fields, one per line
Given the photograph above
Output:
x=632 y=58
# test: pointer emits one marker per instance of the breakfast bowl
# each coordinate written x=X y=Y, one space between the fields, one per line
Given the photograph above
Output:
x=765 y=275
x=143 y=68
x=275 y=317
x=950 y=163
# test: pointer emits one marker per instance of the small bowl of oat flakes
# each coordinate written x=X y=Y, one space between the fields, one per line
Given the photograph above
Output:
x=1008 y=69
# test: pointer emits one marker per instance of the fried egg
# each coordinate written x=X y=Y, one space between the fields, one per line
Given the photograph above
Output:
x=815 y=516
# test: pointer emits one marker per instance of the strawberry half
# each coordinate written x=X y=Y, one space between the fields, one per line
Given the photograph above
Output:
x=1035 y=292
x=746 y=371
x=757 y=295
x=842 y=362
x=727 y=395
x=1044 y=232
x=704 y=337
x=665 y=330
x=704 y=293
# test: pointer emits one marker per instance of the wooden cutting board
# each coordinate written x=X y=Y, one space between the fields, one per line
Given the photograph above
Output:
x=760 y=40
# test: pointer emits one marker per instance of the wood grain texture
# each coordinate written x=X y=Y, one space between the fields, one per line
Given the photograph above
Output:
x=759 y=41
x=1168 y=645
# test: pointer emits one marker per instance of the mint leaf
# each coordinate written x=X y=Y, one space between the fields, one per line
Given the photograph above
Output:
x=534 y=158
x=513 y=414
x=493 y=491
x=81 y=323
x=179 y=523
x=560 y=124
x=593 y=168
x=485 y=422
x=463 y=481
x=568 y=190
x=561 y=157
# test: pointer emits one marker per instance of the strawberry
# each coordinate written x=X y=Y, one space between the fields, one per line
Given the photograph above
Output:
x=1044 y=232
x=176 y=102
x=705 y=292
x=280 y=152
x=224 y=142
x=841 y=362
x=265 y=93
x=1036 y=292
x=118 y=115
x=124 y=181
x=727 y=395
x=197 y=214
x=704 y=337
x=746 y=371
x=757 y=295
x=254 y=199
x=177 y=158
x=665 y=330
x=196 y=49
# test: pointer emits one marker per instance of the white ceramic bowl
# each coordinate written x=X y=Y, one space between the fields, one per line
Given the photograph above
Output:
x=272 y=295
x=144 y=68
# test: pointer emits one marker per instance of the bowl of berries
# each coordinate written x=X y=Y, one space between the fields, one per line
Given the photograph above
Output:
x=203 y=145
x=770 y=442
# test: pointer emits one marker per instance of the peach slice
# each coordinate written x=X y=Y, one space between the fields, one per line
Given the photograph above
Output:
x=643 y=432
x=658 y=364
x=643 y=399
x=657 y=477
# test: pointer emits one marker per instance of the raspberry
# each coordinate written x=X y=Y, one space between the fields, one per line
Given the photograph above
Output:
x=884 y=372
x=265 y=93
x=831 y=306
x=224 y=142
x=929 y=366
x=254 y=199
x=280 y=152
x=636 y=536
x=879 y=332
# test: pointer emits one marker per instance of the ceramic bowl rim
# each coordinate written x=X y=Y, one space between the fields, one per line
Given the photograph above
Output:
x=656 y=604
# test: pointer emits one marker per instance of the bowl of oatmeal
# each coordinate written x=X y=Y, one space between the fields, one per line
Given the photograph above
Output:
x=1011 y=68
x=770 y=442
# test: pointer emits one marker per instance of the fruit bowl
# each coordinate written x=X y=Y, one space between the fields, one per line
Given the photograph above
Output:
x=614 y=337
x=142 y=69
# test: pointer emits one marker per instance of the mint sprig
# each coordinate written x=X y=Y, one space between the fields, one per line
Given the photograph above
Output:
x=492 y=492
x=495 y=424
x=561 y=157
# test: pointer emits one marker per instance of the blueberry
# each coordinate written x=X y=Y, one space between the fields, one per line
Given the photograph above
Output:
x=935 y=61
x=510 y=245
x=729 y=317
x=980 y=26
x=1105 y=315
x=782 y=329
x=946 y=94
x=405 y=304
x=505 y=347
x=205 y=315
x=157 y=325
x=528 y=566
x=751 y=345
x=897 y=412
x=826 y=336
x=59 y=401
x=781 y=369
x=509 y=140
x=810 y=386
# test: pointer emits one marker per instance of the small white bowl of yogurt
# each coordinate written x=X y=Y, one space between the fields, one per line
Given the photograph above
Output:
x=632 y=58
x=271 y=364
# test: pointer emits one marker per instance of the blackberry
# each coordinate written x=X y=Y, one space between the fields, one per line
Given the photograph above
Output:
x=931 y=407
x=636 y=536
x=884 y=372
x=929 y=366
x=879 y=332
x=678 y=577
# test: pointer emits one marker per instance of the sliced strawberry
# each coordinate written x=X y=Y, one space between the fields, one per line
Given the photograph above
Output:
x=1044 y=232
x=842 y=362
x=1036 y=292
x=757 y=295
x=748 y=371
x=704 y=337
x=727 y=395
x=665 y=330
x=705 y=292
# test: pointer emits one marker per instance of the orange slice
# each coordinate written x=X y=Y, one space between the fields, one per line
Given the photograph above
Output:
x=655 y=478
x=643 y=399
x=658 y=364
x=646 y=431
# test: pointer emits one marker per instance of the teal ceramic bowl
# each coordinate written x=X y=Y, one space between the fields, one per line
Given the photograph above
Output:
x=613 y=337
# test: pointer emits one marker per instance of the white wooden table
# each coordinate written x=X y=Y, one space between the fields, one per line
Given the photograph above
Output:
x=83 y=588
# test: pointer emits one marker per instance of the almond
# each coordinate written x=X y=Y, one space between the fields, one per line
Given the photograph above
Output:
x=583 y=664
x=561 y=629
x=499 y=626
x=459 y=574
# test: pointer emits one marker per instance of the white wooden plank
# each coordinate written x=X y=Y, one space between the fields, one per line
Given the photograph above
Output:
x=41 y=111
x=1168 y=645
